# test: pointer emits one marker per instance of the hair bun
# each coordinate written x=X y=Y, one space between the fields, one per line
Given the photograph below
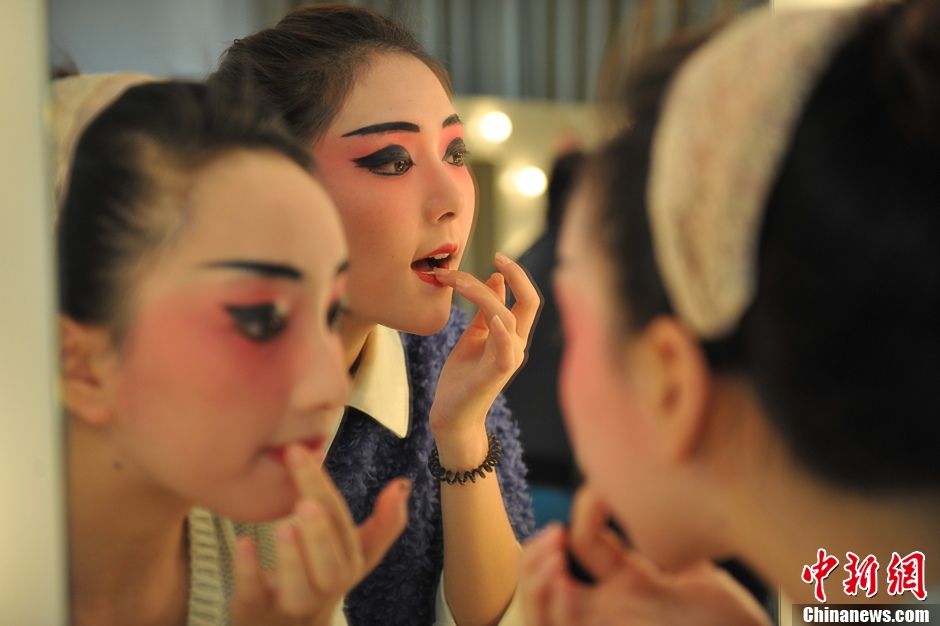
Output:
x=910 y=65
x=76 y=100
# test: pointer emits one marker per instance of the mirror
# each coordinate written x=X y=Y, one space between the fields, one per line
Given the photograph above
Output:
x=32 y=519
x=544 y=93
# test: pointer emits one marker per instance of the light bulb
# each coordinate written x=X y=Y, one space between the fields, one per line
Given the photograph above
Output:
x=530 y=181
x=496 y=126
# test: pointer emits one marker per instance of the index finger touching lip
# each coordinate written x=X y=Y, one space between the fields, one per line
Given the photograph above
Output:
x=490 y=301
x=305 y=467
x=314 y=484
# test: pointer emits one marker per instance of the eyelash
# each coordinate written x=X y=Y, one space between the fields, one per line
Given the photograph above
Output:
x=395 y=156
x=400 y=162
x=336 y=313
x=458 y=151
x=259 y=323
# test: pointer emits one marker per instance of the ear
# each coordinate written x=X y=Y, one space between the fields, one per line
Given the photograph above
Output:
x=678 y=383
x=86 y=352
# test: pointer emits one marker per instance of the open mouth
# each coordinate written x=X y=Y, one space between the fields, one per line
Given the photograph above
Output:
x=425 y=266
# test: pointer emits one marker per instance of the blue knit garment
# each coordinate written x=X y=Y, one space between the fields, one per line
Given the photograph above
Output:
x=365 y=456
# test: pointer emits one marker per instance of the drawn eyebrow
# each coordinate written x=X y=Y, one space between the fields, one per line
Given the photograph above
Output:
x=408 y=127
x=270 y=270
x=385 y=127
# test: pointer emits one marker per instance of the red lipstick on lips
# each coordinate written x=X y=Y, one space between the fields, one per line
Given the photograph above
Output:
x=314 y=446
x=425 y=265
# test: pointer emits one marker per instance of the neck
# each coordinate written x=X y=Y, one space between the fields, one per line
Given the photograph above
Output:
x=354 y=332
x=128 y=551
x=784 y=524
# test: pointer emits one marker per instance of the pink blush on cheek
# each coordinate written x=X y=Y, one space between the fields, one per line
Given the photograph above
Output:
x=356 y=191
x=587 y=388
x=188 y=349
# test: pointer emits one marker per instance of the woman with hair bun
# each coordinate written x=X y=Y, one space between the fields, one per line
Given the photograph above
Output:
x=376 y=110
x=750 y=295
x=201 y=271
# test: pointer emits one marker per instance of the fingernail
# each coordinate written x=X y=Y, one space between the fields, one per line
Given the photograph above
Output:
x=442 y=271
x=502 y=259
x=285 y=532
x=297 y=455
x=550 y=533
x=307 y=510
x=496 y=319
x=244 y=551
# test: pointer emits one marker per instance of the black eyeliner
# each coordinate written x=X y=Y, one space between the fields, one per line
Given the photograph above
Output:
x=457 y=144
x=386 y=155
x=259 y=322
x=337 y=311
x=250 y=313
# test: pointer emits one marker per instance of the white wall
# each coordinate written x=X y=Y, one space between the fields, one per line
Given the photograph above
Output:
x=180 y=38
x=32 y=538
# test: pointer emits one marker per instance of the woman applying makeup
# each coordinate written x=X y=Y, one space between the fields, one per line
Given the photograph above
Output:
x=201 y=274
x=376 y=109
x=749 y=294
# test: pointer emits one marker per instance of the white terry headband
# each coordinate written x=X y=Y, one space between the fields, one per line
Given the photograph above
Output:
x=724 y=129
x=76 y=101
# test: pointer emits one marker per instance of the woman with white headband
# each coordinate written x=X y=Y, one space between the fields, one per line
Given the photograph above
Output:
x=201 y=272
x=750 y=294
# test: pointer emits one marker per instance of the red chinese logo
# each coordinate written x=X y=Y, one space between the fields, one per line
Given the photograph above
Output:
x=907 y=574
x=817 y=573
x=862 y=575
x=903 y=574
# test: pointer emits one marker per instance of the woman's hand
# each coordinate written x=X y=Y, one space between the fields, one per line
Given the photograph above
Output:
x=629 y=588
x=488 y=353
x=321 y=555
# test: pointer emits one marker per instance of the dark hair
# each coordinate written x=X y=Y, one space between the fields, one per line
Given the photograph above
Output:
x=841 y=342
x=619 y=173
x=560 y=183
x=308 y=62
x=131 y=169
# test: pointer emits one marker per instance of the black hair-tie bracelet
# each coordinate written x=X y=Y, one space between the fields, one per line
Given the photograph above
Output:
x=451 y=478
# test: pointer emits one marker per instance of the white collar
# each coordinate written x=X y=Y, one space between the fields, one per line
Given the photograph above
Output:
x=380 y=388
